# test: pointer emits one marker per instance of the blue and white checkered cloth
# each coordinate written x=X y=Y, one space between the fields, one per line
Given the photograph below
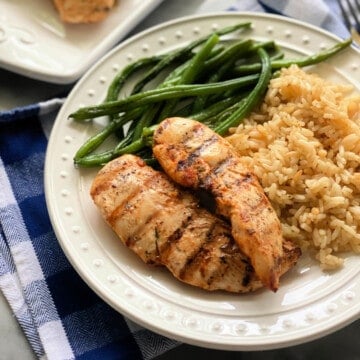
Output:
x=61 y=317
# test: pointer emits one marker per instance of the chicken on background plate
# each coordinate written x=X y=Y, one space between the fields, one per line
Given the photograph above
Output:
x=84 y=11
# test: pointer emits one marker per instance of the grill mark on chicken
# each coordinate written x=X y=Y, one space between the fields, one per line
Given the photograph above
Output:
x=222 y=166
x=193 y=155
x=215 y=167
x=181 y=253
x=192 y=243
x=202 y=259
x=248 y=271
x=174 y=237
x=130 y=204
x=198 y=252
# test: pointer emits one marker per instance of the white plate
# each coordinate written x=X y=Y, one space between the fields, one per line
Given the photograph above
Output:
x=308 y=305
x=34 y=41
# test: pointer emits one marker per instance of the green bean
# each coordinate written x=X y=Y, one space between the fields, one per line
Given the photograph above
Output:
x=146 y=119
x=251 y=54
x=253 y=98
x=200 y=102
x=174 y=77
x=223 y=62
x=191 y=71
x=94 y=159
x=223 y=72
x=102 y=158
x=177 y=54
x=213 y=110
x=119 y=80
x=151 y=96
x=95 y=141
x=233 y=51
x=201 y=81
x=143 y=140
x=106 y=156
x=151 y=162
x=199 y=59
x=301 y=62
x=277 y=56
x=222 y=116
x=186 y=76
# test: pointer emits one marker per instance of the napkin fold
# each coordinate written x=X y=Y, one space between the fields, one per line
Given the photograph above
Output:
x=60 y=315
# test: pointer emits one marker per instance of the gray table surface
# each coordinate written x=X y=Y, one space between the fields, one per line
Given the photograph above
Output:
x=344 y=344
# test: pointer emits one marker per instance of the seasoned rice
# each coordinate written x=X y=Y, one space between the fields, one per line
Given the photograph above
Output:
x=304 y=145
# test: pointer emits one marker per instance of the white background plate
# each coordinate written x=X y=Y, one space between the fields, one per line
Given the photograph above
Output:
x=309 y=303
x=34 y=41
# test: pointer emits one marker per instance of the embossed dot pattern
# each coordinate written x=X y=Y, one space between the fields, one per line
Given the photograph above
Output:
x=196 y=30
x=331 y=307
x=112 y=279
x=288 y=323
x=64 y=192
x=169 y=315
x=269 y=30
x=217 y=327
x=162 y=40
x=84 y=246
x=288 y=34
x=305 y=39
x=69 y=211
x=98 y=263
x=129 y=293
x=179 y=34
x=148 y=305
x=192 y=323
x=310 y=316
x=76 y=229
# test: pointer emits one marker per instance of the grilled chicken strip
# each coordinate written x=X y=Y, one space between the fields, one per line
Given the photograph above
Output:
x=164 y=225
x=194 y=156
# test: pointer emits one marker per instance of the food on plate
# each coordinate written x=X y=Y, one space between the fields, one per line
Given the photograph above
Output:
x=164 y=225
x=196 y=157
x=221 y=81
x=84 y=11
x=303 y=143
x=228 y=79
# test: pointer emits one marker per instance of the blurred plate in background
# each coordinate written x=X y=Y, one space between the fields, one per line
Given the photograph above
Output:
x=34 y=42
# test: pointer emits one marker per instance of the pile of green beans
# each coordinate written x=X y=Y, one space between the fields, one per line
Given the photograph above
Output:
x=218 y=79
